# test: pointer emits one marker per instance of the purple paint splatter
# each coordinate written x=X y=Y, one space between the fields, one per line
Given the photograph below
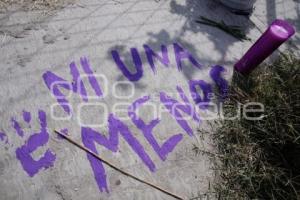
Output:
x=17 y=127
x=90 y=137
x=26 y=116
x=147 y=130
x=35 y=141
x=3 y=137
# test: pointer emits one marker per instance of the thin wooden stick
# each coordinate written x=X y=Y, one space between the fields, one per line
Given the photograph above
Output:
x=117 y=168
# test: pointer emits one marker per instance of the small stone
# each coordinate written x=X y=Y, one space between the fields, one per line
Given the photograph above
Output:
x=118 y=182
x=66 y=37
x=48 y=39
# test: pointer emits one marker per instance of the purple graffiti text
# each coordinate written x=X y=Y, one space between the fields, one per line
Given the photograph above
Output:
x=180 y=52
x=54 y=83
x=90 y=137
x=147 y=130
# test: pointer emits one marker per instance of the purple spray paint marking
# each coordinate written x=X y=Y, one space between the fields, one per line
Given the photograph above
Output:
x=164 y=59
x=207 y=90
x=215 y=74
x=137 y=63
x=77 y=83
x=181 y=53
x=64 y=131
x=77 y=86
x=174 y=106
x=17 y=127
x=36 y=140
x=26 y=116
x=92 y=79
x=116 y=127
x=147 y=129
x=54 y=82
x=3 y=137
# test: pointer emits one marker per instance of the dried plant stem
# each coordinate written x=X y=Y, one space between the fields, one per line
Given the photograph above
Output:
x=117 y=168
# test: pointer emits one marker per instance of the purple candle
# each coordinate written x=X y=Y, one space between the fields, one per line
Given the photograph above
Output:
x=277 y=33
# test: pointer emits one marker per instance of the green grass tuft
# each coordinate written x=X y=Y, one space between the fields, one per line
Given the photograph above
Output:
x=261 y=159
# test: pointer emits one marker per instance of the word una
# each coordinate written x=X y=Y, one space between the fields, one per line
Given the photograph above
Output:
x=179 y=51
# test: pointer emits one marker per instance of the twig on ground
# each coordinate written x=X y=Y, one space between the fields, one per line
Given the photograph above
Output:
x=117 y=168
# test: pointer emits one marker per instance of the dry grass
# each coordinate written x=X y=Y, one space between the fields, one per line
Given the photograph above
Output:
x=34 y=4
x=261 y=159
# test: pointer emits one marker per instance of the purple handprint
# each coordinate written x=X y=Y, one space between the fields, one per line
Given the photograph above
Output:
x=36 y=140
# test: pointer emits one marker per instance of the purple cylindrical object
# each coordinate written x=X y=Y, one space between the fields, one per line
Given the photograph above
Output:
x=277 y=33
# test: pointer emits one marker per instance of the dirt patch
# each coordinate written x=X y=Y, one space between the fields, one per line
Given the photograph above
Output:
x=34 y=4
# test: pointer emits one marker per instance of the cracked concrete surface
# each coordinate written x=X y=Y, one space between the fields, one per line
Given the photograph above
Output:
x=34 y=42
